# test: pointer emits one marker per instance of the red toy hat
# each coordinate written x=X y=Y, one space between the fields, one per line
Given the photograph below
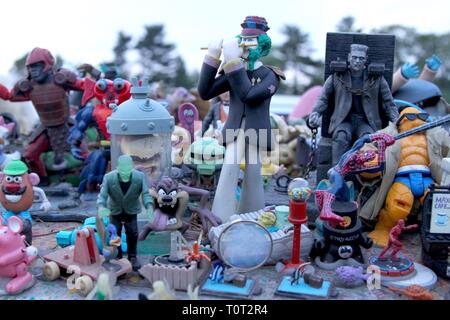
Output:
x=254 y=26
x=40 y=55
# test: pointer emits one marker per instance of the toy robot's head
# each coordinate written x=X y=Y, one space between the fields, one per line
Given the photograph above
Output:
x=357 y=57
x=411 y=118
x=112 y=92
x=39 y=62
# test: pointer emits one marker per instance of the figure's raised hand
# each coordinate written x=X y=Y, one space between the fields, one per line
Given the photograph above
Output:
x=215 y=48
x=434 y=62
x=410 y=70
x=231 y=50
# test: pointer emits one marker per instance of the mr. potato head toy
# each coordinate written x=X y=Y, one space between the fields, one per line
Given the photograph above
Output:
x=17 y=191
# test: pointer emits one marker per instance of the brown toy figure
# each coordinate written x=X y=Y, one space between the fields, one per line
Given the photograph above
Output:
x=17 y=188
x=47 y=88
x=171 y=201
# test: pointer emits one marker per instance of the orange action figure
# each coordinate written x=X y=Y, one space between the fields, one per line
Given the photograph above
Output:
x=416 y=157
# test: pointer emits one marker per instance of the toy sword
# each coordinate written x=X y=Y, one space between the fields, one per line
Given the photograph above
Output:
x=424 y=127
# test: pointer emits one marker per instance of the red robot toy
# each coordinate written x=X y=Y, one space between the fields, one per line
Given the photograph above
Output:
x=110 y=94
x=47 y=88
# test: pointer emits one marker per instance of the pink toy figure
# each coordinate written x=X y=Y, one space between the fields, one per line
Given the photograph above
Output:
x=188 y=115
x=394 y=242
x=306 y=103
x=15 y=256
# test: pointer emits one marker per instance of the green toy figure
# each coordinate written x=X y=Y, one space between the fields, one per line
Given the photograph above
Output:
x=119 y=199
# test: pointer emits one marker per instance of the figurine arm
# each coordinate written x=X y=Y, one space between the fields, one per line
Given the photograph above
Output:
x=20 y=91
x=432 y=65
x=240 y=83
x=411 y=227
x=103 y=194
x=84 y=118
x=388 y=101
x=204 y=194
x=4 y=93
x=69 y=80
x=46 y=205
x=322 y=102
x=209 y=86
x=147 y=200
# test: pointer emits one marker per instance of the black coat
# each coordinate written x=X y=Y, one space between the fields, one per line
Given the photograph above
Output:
x=377 y=100
x=247 y=99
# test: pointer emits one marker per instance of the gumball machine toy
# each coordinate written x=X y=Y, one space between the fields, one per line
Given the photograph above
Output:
x=299 y=192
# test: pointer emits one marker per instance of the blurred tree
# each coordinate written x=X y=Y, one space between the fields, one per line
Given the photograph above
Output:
x=182 y=77
x=347 y=24
x=294 y=55
x=19 y=68
x=157 y=57
x=120 y=50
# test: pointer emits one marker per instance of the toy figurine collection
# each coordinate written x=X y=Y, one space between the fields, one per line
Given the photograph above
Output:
x=201 y=201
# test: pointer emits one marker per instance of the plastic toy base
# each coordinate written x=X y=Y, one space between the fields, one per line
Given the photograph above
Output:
x=227 y=290
x=30 y=284
x=422 y=276
x=334 y=265
x=393 y=267
x=64 y=258
x=303 y=290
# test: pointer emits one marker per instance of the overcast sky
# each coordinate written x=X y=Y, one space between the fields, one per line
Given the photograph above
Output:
x=86 y=30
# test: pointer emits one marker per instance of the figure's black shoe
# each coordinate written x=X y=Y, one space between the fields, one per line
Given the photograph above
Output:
x=134 y=262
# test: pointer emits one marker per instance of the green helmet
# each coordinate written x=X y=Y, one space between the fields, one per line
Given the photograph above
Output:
x=15 y=168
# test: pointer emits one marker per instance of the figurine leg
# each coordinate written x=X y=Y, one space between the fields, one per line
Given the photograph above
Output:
x=395 y=251
x=342 y=139
x=21 y=280
x=58 y=137
x=252 y=194
x=398 y=205
x=33 y=154
x=131 y=229
x=225 y=202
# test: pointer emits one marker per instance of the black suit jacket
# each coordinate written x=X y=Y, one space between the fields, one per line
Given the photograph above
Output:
x=250 y=95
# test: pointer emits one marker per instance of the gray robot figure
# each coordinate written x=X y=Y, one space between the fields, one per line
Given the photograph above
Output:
x=361 y=100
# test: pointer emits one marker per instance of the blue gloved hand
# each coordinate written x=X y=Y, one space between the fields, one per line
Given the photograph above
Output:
x=433 y=62
x=410 y=70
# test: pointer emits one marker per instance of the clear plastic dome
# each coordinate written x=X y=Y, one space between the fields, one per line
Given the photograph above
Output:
x=299 y=190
